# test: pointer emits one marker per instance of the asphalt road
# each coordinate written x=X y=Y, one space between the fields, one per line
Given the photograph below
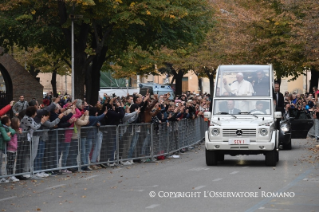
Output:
x=193 y=186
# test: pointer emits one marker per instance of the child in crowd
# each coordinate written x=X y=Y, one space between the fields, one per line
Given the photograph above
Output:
x=12 y=149
x=6 y=133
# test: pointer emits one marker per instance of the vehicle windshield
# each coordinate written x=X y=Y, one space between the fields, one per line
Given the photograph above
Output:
x=242 y=107
x=244 y=80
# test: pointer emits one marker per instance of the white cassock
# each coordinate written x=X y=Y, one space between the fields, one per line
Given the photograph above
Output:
x=244 y=88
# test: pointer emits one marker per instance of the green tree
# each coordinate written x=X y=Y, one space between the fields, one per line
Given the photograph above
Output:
x=107 y=29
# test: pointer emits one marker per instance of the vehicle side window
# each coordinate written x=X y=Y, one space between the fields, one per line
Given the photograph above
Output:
x=302 y=115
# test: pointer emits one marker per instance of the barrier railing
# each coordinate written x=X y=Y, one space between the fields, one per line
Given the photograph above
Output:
x=60 y=149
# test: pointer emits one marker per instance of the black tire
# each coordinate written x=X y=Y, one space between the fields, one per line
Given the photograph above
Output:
x=271 y=157
x=211 y=158
x=277 y=156
x=220 y=156
x=288 y=146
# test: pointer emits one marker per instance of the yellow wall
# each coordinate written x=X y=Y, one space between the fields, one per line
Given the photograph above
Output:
x=293 y=86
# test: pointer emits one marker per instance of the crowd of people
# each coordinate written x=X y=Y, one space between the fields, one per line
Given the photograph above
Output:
x=307 y=102
x=25 y=136
x=23 y=131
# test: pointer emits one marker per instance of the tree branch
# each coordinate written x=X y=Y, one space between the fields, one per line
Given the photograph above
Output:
x=67 y=62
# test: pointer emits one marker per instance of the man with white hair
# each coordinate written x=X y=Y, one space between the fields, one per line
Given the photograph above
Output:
x=240 y=87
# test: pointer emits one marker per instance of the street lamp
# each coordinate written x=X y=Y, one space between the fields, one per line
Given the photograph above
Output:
x=73 y=17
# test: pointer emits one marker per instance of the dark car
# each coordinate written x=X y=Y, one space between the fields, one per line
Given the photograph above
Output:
x=297 y=126
x=285 y=134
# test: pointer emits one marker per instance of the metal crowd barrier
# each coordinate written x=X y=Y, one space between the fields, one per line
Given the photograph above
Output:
x=59 y=149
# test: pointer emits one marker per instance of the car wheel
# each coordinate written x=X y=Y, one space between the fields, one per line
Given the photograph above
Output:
x=271 y=157
x=277 y=156
x=221 y=157
x=288 y=146
x=211 y=158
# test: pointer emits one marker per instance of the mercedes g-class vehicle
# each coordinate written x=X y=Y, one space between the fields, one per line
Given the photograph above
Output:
x=243 y=119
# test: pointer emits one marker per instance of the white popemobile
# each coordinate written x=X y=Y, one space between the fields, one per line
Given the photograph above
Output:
x=243 y=117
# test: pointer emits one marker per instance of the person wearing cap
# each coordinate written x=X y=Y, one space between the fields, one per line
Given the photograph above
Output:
x=240 y=87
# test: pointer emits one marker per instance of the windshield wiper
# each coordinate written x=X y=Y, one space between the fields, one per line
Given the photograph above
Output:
x=225 y=113
x=250 y=114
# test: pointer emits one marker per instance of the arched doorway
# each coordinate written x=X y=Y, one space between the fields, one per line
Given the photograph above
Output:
x=6 y=89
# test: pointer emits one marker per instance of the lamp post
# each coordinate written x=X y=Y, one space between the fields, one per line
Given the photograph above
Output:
x=73 y=17
x=72 y=57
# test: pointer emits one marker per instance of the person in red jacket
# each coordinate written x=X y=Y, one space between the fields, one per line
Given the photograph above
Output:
x=6 y=109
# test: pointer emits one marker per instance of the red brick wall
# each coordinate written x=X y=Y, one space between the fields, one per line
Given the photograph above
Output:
x=23 y=82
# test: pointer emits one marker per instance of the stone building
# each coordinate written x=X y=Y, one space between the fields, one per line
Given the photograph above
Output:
x=16 y=81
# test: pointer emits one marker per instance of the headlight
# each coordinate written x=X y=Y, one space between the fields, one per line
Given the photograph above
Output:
x=284 y=128
x=263 y=132
x=215 y=131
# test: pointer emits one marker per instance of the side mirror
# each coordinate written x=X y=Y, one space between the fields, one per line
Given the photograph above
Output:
x=278 y=115
x=207 y=115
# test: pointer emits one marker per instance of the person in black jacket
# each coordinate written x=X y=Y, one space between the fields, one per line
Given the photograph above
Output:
x=279 y=97
x=115 y=112
x=139 y=103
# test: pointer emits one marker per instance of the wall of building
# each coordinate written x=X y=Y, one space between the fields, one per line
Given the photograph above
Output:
x=297 y=85
x=23 y=83
x=62 y=86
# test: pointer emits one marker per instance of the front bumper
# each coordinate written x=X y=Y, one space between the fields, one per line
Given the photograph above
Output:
x=255 y=146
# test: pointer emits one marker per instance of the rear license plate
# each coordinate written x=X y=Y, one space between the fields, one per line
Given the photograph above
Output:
x=239 y=141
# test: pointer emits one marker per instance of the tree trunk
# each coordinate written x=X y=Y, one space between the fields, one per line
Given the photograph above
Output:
x=33 y=71
x=53 y=83
x=200 y=87
x=93 y=94
x=278 y=80
x=313 y=80
x=88 y=83
x=79 y=74
x=179 y=80
x=211 y=85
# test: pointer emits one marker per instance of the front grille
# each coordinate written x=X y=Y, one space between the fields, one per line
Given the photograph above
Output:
x=245 y=133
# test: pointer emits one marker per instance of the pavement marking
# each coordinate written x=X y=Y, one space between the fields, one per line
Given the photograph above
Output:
x=199 y=187
x=198 y=169
x=218 y=179
x=140 y=190
x=273 y=209
x=290 y=185
x=152 y=206
x=57 y=186
x=235 y=172
x=154 y=186
x=91 y=177
x=8 y=198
